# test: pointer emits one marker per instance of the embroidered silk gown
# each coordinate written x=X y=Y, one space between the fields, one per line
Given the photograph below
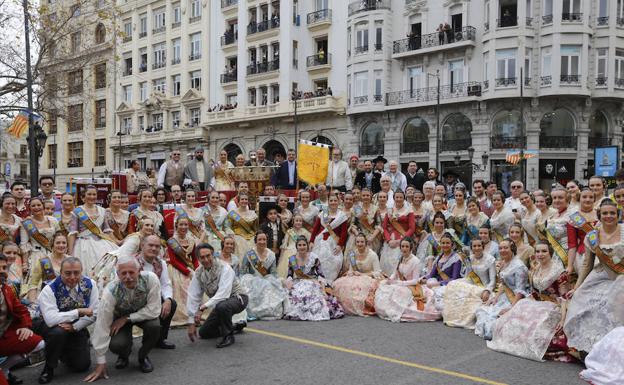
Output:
x=196 y=219
x=265 y=290
x=403 y=219
x=244 y=227
x=119 y=228
x=309 y=215
x=356 y=293
x=500 y=222
x=473 y=224
x=159 y=221
x=32 y=250
x=289 y=248
x=324 y=243
x=215 y=221
x=89 y=247
x=11 y=231
x=182 y=264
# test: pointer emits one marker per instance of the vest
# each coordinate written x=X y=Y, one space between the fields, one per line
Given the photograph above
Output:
x=129 y=301
x=209 y=280
x=65 y=302
x=173 y=175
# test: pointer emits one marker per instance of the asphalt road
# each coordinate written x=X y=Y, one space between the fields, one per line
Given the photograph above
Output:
x=353 y=350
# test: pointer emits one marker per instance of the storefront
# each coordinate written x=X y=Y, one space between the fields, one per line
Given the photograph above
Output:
x=553 y=171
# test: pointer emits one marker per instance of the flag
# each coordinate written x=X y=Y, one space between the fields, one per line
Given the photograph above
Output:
x=514 y=157
x=19 y=125
x=312 y=162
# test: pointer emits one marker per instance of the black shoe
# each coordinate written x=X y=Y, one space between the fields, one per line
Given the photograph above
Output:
x=239 y=326
x=14 y=380
x=226 y=341
x=122 y=362
x=146 y=365
x=164 y=344
x=47 y=375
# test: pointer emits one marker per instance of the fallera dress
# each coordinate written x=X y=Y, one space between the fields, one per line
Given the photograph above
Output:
x=356 y=293
x=265 y=290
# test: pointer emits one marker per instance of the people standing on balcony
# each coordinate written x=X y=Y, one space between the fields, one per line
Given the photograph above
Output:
x=440 y=31
x=448 y=31
x=171 y=172
x=321 y=55
x=338 y=173
x=200 y=172
x=368 y=178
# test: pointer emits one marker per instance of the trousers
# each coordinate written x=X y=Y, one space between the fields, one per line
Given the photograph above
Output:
x=70 y=347
x=121 y=343
x=165 y=323
x=219 y=322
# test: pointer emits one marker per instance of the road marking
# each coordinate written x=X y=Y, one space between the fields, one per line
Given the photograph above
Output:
x=376 y=357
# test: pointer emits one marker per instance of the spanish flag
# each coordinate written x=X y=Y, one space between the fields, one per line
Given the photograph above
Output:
x=19 y=125
x=312 y=162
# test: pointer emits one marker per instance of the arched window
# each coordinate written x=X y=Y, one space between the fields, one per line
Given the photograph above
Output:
x=232 y=150
x=323 y=140
x=415 y=136
x=557 y=130
x=372 y=140
x=100 y=33
x=456 y=133
x=507 y=130
x=273 y=147
x=598 y=130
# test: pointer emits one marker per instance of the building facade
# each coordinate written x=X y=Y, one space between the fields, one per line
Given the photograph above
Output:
x=13 y=157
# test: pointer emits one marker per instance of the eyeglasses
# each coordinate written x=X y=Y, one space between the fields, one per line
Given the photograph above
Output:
x=516 y=186
x=175 y=153
x=46 y=184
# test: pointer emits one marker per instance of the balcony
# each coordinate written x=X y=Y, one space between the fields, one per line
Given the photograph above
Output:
x=455 y=145
x=159 y=64
x=159 y=30
x=177 y=24
x=127 y=72
x=599 y=141
x=529 y=22
x=360 y=100
x=601 y=81
x=263 y=67
x=377 y=98
x=570 y=80
x=619 y=21
x=175 y=60
x=433 y=42
x=414 y=147
x=361 y=49
x=143 y=67
x=506 y=82
x=194 y=19
x=558 y=142
x=318 y=61
x=507 y=142
x=547 y=19
x=254 y=28
x=194 y=56
x=142 y=34
x=127 y=38
x=319 y=19
x=229 y=77
x=546 y=81
x=228 y=3
x=229 y=38
x=602 y=21
x=371 y=149
x=378 y=47
x=367 y=5
x=507 y=21
x=572 y=17
x=619 y=82
x=430 y=94
x=527 y=82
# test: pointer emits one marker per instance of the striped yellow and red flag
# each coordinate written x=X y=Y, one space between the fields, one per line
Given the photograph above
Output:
x=515 y=156
x=19 y=125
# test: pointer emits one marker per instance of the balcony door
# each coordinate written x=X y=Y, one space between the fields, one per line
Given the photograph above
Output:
x=456 y=21
x=415 y=79
x=456 y=73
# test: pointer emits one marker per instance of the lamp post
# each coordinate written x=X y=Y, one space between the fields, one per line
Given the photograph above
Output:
x=295 y=98
x=119 y=134
x=475 y=167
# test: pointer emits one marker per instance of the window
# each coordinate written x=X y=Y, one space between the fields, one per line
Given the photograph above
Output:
x=74 y=154
x=507 y=130
x=486 y=13
x=372 y=140
x=143 y=25
x=175 y=47
x=175 y=80
x=486 y=69
x=378 y=37
x=196 y=80
x=456 y=73
x=251 y=94
x=557 y=123
x=175 y=119
x=456 y=132
x=159 y=20
x=100 y=152
x=100 y=33
x=100 y=75
x=548 y=9
x=195 y=114
x=23 y=171
x=361 y=39
x=142 y=91
x=570 y=63
x=127 y=63
x=620 y=12
x=23 y=149
x=264 y=95
x=75 y=42
x=378 y=95
x=505 y=67
x=415 y=136
x=321 y=4
x=571 y=10
x=195 y=46
x=528 y=53
x=529 y=9
x=415 y=78
x=127 y=93
x=143 y=59
x=195 y=9
x=52 y=122
x=619 y=67
x=177 y=15
x=361 y=84
x=231 y=99
x=141 y=123
x=602 y=55
x=546 y=65
x=74 y=118
x=603 y=11
x=100 y=113
x=157 y=122
x=159 y=55
x=126 y=125
x=51 y=155
x=127 y=29
x=74 y=82
x=159 y=85
x=275 y=93
x=295 y=52
x=598 y=128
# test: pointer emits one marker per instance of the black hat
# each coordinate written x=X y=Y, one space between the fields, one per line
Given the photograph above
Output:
x=380 y=158
x=450 y=172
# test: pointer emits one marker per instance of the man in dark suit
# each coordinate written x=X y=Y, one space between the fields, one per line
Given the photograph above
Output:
x=285 y=177
x=368 y=178
x=415 y=176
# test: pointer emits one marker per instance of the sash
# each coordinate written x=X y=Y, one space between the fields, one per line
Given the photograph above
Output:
x=328 y=226
x=509 y=293
x=59 y=218
x=47 y=271
x=213 y=226
x=116 y=230
x=434 y=243
x=442 y=274
x=293 y=235
x=88 y=223
x=180 y=252
x=499 y=237
x=34 y=233
x=617 y=265
x=4 y=236
x=474 y=278
x=580 y=223
x=352 y=260
x=292 y=261
x=473 y=231
x=233 y=215
x=557 y=247
x=418 y=295
x=365 y=223
x=183 y=214
x=257 y=264
x=397 y=226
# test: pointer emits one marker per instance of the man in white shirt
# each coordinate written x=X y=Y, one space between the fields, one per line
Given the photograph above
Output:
x=171 y=172
x=226 y=297
x=150 y=261
x=68 y=305
x=397 y=178
x=133 y=299
x=338 y=173
x=513 y=202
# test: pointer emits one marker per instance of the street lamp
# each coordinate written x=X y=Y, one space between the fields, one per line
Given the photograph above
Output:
x=475 y=167
x=36 y=142
x=119 y=134
x=41 y=138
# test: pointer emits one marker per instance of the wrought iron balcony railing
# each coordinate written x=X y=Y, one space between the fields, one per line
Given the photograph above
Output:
x=547 y=19
x=371 y=149
x=504 y=142
x=415 y=43
x=228 y=77
x=318 y=60
x=227 y=3
x=557 y=141
x=360 y=99
x=507 y=21
x=505 y=82
x=430 y=94
x=603 y=20
x=368 y=5
x=546 y=80
x=263 y=67
x=570 y=79
x=229 y=38
x=601 y=81
x=455 y=144
x=414 y=147
x=262 y=26
x=319 y=16
x=599 y=141
x=572 y=17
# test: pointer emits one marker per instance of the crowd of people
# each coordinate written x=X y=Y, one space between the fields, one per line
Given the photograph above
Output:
x=537 y=274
